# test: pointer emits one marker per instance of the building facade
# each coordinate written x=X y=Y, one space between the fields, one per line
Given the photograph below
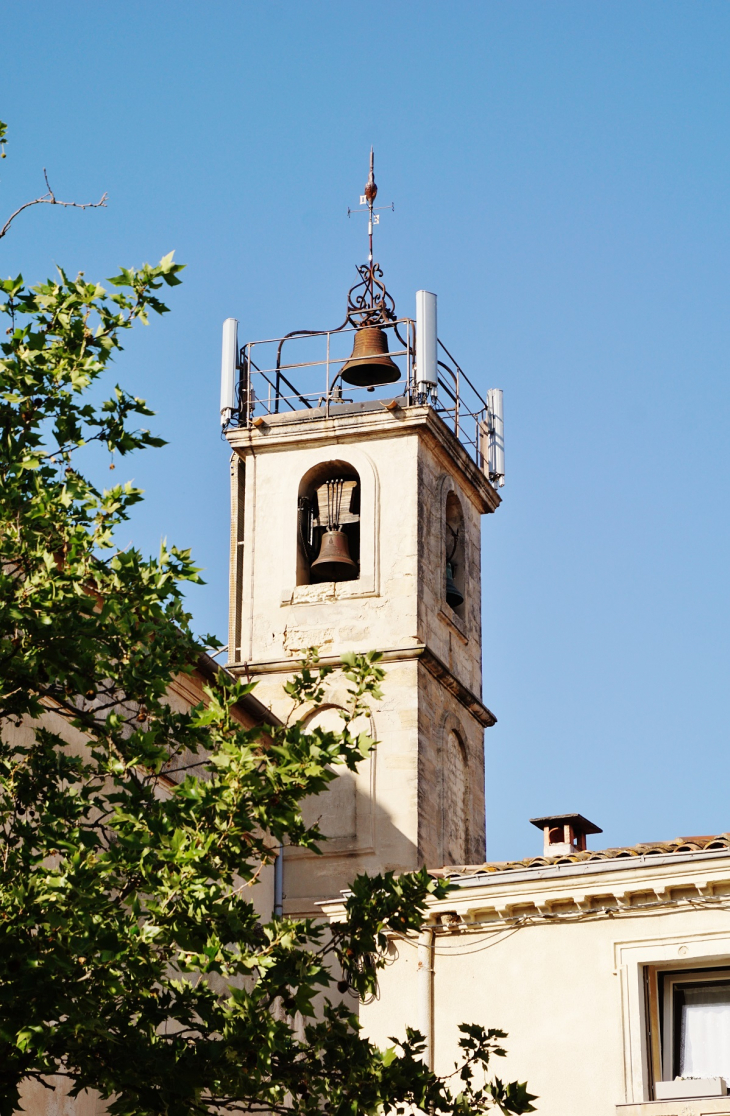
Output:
x=610 y=971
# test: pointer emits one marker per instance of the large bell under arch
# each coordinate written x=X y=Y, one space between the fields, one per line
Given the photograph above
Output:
x=334 y=562
x=329 y=524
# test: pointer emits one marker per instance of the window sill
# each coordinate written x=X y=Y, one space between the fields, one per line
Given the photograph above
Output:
x=323 y=591
x=686 y=1106
x=454 y=622
x=690 y=1090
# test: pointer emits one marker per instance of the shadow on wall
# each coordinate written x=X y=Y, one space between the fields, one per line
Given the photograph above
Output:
x=361 y=825
x=456 y=793
x=361 y=834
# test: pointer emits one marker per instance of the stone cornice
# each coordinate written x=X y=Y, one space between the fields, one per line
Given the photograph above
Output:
x=357 y=422
x=639 y=887
x=470 y=701
x=421 y=652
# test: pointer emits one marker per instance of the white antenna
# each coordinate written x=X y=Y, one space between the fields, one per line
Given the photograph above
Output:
x=229 y=366
x=495 y=431
x=426 y=344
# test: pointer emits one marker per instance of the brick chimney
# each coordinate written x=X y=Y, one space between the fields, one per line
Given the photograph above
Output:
x=564 y=833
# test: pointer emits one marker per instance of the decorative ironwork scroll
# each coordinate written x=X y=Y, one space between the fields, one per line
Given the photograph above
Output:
x=368 y=301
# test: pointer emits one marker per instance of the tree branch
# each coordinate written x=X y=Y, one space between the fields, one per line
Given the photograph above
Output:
x=51 y=199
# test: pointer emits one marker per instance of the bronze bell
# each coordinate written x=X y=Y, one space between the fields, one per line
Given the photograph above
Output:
x=370 y=365
x=334 y=562
x=453 y=596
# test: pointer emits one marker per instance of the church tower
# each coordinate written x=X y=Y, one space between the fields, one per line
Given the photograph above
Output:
x=358 y=485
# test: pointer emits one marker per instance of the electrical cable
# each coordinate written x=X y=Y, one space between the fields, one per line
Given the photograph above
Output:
x=523 y=921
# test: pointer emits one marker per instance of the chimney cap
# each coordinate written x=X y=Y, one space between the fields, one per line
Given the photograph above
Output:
x=577 y=821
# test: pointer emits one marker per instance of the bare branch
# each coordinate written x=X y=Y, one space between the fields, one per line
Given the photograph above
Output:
x=51 y=199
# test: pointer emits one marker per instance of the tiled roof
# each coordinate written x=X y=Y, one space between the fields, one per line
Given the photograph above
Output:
x=648 y=848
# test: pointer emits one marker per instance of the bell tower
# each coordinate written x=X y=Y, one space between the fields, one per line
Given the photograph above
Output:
x=358 y=484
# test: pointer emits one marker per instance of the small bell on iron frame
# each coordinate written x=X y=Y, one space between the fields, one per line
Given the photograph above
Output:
x=370 y=364
x=453 y=596
x=333 y=562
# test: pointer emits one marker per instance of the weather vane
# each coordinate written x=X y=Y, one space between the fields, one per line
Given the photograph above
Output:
x=367 y=205
x=373 y=305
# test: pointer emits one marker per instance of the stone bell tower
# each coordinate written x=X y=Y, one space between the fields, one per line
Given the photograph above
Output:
x=358 y=487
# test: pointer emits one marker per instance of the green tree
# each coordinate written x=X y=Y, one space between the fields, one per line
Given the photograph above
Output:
x=132 y=960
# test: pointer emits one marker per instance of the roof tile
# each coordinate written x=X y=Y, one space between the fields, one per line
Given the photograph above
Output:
x=647 y=848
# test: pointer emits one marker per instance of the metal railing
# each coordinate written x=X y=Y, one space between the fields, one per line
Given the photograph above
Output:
x=463 y=408
x=270 y=385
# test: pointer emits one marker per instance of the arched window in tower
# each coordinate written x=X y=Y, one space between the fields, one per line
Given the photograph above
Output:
x=457 y=842
x=454 y=573
x=335 y=809
x=329 y=524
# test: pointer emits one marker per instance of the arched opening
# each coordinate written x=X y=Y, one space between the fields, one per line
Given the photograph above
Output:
x=454 y=572
x=457 y=842
x=335 y=810
x=328 y=527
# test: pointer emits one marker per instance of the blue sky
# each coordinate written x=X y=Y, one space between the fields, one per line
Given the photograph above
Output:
x=560 y=174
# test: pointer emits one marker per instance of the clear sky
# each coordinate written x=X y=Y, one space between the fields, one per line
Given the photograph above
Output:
x=560 y=174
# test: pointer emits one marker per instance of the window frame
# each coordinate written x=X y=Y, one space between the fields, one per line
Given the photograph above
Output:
x=668 y=983
x=636 y=963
